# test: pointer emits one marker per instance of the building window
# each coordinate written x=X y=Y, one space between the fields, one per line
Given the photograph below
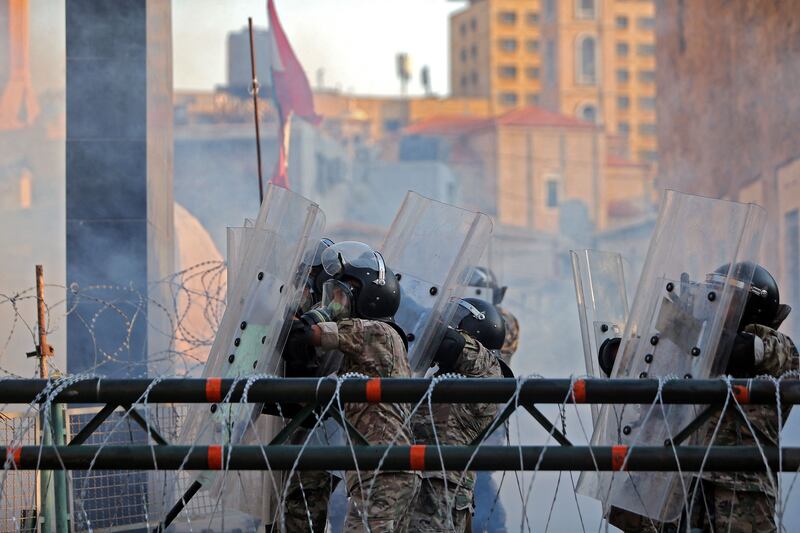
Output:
x=584 y=9
x=532 y=73
x=647 y=129
x=509 y=18
x=647 y=102
x=624 y=128
x=623 y=75
x=532 y=45
x=646 y=23
x=587 y=60
x=532 y=18
x=647 y=76
x=463 y=55
x=588 y=112
x=508 y=45
x=532 y=99
x=648 y=155
x=508 y=99
x=552 y=192
x=473 y=24
x=474 y=77
x=550 y=9
x=473 y=51
x=507 y=72
x=463 y=81
x=646 y=50
x=622 y=22
x=623 y=49
x=550 y=61
x=623 y=102
x=463 y=29
x=392 y=124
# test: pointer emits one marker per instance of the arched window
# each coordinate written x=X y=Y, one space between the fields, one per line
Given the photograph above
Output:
x=588 y=112
x=586 y=63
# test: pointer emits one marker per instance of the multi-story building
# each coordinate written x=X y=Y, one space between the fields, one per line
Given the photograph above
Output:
x=533 y=169
x=591 y=59
x=495 y=52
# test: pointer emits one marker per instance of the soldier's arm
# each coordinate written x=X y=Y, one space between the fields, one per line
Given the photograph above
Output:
x=773 y=351
x=477 y=362
x=349 y=336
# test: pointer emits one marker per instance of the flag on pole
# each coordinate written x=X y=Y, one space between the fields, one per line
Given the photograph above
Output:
x=291 y=92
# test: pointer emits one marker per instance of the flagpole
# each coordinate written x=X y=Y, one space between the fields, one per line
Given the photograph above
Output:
x=254 y=87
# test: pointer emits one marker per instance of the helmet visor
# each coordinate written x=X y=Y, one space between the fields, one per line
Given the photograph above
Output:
x=337 y=299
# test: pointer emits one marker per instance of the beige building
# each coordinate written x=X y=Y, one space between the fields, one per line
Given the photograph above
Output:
x=525 y=165
x=591 y=59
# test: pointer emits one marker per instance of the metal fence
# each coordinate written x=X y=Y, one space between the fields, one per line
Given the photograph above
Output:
x=19 y=495
x=100 y=500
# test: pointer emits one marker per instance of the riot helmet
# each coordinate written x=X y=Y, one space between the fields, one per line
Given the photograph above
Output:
x=763 y=298
x=481 y=320
x=482 y=284
x=358 y=273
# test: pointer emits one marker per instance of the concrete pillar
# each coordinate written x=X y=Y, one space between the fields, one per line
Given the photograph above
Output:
x=119 y=175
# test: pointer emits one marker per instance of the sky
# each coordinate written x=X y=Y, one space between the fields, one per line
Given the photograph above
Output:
x=354 y=41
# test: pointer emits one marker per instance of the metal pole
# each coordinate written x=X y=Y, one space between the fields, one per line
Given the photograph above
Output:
x=43 y=350
x=397 y=458
x=254 y=87
x=403 y=390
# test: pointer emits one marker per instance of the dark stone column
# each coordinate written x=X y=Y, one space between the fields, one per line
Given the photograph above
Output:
x=118 y=176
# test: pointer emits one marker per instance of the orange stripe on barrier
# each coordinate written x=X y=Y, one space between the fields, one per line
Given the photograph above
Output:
x=374 y=390
x=579 y=391
x=742 y=394
x=215 y=457
x=618 y=456
x=417 y=457
x=15 y=454
x=214 y=389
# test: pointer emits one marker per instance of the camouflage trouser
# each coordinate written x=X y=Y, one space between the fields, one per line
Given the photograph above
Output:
x=736 y=512
x=388 y=508
x=432 y=512
x=306 y=506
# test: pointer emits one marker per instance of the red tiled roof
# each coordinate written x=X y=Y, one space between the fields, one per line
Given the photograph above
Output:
x=448 y=125
x=616 y=161
x=525 y=116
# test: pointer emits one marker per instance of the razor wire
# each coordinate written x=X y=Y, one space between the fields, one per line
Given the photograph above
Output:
x=192 y=314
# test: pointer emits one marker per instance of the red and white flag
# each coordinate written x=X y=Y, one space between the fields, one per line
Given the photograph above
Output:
x=291 y=92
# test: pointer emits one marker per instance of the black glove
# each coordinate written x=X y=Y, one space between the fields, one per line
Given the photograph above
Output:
x=298 y=354
x=449 y=351
x=607 y=354
x=742 y=363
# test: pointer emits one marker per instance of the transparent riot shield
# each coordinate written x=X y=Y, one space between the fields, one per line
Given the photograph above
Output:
x=430 y=247
x=602 y=303
x=684 y=317
x=269 y=270
x=235 y=238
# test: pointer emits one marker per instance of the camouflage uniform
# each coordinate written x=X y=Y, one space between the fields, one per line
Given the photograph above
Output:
x=374 y=348
x=511 y=342
x=736 y=501
x=456 y=424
